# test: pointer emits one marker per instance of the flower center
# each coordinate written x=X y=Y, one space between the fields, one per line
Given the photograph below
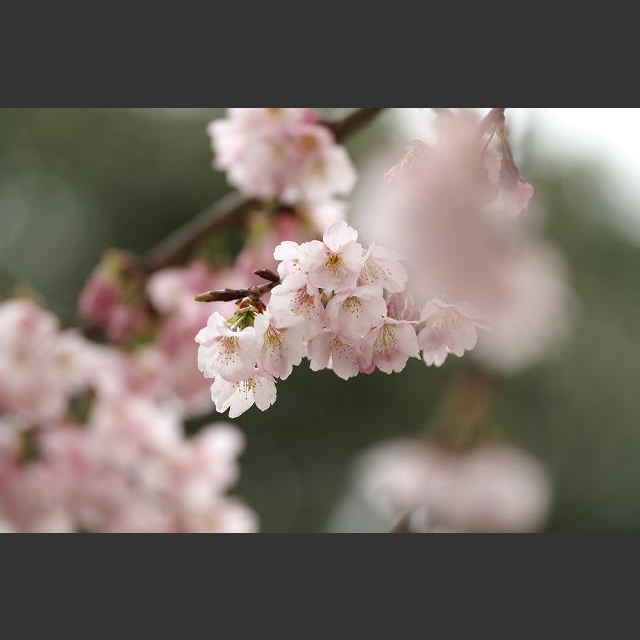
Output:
x=229 y=344
x=371 y=272
x=386 y=338
x=352 y=304
x=248 y=385
x=308 y=143
x=273 y=337
x=334 y=262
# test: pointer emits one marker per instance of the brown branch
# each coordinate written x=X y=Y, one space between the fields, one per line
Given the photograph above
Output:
x=255 y=293
x=403 y=525
x=233 y=208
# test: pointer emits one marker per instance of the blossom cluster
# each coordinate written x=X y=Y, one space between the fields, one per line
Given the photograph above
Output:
x=494 y=487
x=92 y=435
x=92 y=440
x=455 y=207
x=281 y=153
x=339 y=305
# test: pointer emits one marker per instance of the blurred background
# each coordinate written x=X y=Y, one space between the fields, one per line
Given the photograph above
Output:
x=75 y=182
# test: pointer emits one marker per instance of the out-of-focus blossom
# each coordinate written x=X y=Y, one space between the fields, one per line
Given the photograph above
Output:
x=281 y=153
x=29 y=384
x=535 y=316
x=128 y=470
x=495 y=487
x=451 y=207
x=323 y=214
x=514 y=192
x=112 y=298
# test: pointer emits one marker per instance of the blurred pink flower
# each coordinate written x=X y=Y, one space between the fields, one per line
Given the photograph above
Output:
x=110 y=299
x=493 y=488
x=281 y=153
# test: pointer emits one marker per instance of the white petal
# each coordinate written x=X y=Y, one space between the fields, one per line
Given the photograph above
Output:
x=338 y=235
x=344 y=359
x=264 y=392
x=319 y=351
x=287 y=250
x=242 y=398
x=407 y=340
x=221 y=393
x=464 y=337
x=353 y=257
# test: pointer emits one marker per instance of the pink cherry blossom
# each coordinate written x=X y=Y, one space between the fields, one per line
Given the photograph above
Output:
x=495 y=487
x=446 y=330
x=337 y=262
x=401 y=306
x=514 y=191
x=104 y=302
x=534 y=318
x=389 y=346
x=281 y=153
x=296 y=259
x=438 y=210
x=28 y=340
x=328 y=350
x=224 y=352
x=354 y=312
x=324 y=170
x=383 y=267
x=239 y=396
x=280 y=348
x=291 y=303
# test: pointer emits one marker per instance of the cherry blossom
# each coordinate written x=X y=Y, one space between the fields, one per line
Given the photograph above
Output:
x=389 y=345
x=92 y=436
x=354 y=312
x=446 y=330
x=383 y=267
x=280 y=347
x=337 y=262
x=112 y=300
x=328 y=350
x=225 y=352
x=495 y=487
x=239 y=396
x=291 y=303
x=28 y=339
x=282 y=153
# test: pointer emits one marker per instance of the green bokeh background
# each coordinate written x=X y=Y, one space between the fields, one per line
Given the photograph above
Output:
x=74 y=182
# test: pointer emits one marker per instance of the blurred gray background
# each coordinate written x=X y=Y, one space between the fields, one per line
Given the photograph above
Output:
x=74 y=182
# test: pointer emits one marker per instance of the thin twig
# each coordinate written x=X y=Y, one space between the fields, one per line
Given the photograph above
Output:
x=226 y=295
x=232 y=209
